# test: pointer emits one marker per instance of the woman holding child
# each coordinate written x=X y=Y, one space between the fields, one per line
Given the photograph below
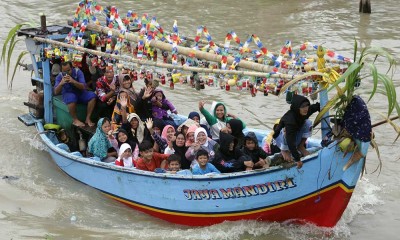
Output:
x=201 y=141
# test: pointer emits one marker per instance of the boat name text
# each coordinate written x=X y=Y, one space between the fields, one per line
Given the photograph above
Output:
x=239 y=192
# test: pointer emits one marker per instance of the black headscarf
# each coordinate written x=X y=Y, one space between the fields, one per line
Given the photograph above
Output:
x=185 y=164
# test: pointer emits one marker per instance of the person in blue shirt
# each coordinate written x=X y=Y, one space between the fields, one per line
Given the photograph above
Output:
x=72 y=85
x=203 y=166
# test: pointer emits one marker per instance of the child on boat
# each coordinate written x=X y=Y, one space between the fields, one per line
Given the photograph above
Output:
x=160 y=107
x=203 y=166
x=150 y=160
x=125 y=157
x=257 y=154
x=294 y=128
x=122 y=138
x=100 y=145
x=174 y=163
x=229 y=158
x=217 y=119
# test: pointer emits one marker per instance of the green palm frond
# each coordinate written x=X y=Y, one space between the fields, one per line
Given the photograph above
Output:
x=382 y=83
x=20 y=56
x=8 y=49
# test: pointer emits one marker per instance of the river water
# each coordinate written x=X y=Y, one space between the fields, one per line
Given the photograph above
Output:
x=45 y=203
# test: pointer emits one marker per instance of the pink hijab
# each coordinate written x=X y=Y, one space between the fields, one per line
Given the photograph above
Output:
x=164 y=132
x=190 y=129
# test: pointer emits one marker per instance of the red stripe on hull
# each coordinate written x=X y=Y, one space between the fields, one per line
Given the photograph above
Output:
x=324 y=209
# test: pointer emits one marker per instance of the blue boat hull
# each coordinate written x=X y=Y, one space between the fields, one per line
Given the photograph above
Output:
x=317 y=193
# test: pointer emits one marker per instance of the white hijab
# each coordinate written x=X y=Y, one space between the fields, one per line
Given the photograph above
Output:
x=196 y=133
x=127 y=161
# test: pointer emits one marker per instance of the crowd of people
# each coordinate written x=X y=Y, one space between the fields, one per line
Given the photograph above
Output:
x=135 y=128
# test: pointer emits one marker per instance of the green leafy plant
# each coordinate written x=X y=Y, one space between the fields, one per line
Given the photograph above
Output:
x=382 y=82
x=8 y=49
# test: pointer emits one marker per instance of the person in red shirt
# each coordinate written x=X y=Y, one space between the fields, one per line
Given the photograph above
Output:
x=150 y=160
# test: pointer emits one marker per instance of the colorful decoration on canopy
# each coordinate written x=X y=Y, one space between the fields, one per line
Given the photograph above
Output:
x=289 y=60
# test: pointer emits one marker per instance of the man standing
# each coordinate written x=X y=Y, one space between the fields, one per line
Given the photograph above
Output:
x=107 y=89
x=71 y=84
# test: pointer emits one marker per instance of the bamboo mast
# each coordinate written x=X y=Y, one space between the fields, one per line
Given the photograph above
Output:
x=161 y=65
x=181 y=50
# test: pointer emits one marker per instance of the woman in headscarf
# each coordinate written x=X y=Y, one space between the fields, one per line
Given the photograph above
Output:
x=235 y=128
x=202 y=141
x=166 y=137
x=216 y=118
x=294 y=128
x=190 y=135
x=177 y=146
x=100 y=144
x=136 y=129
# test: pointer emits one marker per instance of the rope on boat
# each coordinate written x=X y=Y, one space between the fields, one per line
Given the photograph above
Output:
x=163 y=65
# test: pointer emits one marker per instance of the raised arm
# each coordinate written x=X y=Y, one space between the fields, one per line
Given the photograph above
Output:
x=211 y=120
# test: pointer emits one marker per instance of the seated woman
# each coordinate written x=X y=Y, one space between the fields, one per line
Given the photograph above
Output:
x=294 y=128
x=100 y=144
x=201 y=141
x=190 y=135
x=217 y=119
x=125 y=158
x=177 y=146
x=229 y=158
x=166 y=136
x=137 y=130
x=235 y=128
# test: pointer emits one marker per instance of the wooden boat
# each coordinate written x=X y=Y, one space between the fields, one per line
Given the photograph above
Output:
x=318 y=193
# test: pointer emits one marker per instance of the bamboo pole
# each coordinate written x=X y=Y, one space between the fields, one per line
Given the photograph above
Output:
x=384 y=121
x=161 y=65
x=181 y=50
